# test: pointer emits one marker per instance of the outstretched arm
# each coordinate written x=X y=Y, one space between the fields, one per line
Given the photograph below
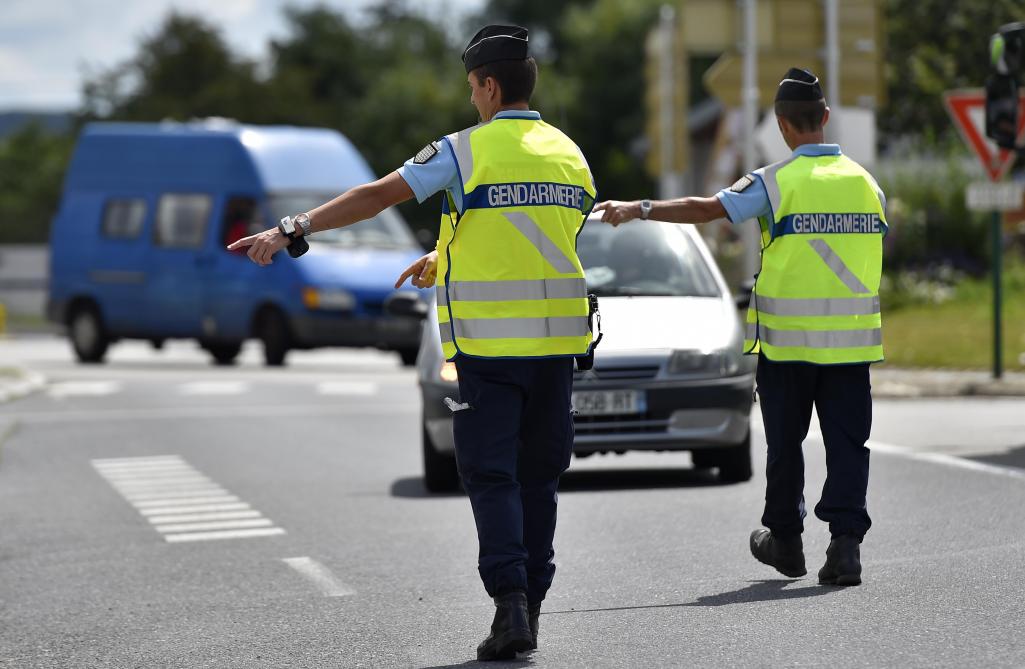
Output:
x=683 y=210
x=356 y=204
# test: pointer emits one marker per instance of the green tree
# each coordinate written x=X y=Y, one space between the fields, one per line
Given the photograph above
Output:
x=32 y=164
x=184 y=70
x=932 y=46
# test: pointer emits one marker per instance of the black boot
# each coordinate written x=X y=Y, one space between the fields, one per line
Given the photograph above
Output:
x=785 y=554
x=843 y=561
x=534 y=613
x=510 y=630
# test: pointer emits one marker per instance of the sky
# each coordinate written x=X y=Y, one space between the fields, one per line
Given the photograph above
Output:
x=48 y=47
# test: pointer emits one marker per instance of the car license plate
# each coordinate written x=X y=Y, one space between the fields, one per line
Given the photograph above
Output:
x=608 y=402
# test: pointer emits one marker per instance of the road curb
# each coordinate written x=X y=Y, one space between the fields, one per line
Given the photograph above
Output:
x=935 y=383
x=22 y=383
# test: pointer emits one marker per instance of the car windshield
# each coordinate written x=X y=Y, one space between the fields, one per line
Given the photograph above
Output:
x=643 y=258
x=386 y=230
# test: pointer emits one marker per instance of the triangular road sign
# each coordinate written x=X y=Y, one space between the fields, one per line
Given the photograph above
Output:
x=968 y=109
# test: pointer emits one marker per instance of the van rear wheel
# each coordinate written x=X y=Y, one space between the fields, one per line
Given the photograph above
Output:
x=272 y=331
x=88 y=337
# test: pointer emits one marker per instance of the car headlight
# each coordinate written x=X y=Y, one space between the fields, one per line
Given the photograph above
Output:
x=331 y=299
x=703 y=364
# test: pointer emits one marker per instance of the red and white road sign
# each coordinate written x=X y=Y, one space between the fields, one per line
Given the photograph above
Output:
x=968 y=109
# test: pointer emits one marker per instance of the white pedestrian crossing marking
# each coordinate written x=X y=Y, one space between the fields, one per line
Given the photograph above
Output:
x=214 y=388
x=83 y=389
x=346 y=388
x=181 y=503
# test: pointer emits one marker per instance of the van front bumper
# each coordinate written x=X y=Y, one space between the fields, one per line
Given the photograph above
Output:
x=386 y=332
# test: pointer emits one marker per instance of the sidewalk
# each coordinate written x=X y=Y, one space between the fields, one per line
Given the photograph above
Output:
x=910 y=383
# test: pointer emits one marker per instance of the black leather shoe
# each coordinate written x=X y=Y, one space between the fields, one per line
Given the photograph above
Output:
x=784 y=554
x=510 y=630
x=843 y=562
x=534 y=614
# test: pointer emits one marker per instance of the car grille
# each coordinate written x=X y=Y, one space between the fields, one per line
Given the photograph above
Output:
x=618 y=424
x=638 y=373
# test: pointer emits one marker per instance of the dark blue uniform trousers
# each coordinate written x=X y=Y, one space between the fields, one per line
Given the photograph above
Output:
x=842 y=397
x=512 y=444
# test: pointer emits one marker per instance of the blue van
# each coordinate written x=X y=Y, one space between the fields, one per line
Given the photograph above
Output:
x=138 y=244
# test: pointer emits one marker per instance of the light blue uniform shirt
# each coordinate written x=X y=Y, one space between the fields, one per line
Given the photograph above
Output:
x=440 y=172
x=753 y=201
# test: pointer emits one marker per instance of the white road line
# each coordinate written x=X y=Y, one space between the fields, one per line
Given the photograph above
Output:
x=214 y=525
x=140 y=461
x=212 y=491
x=193 y=508
x=938 y=458
x=948 y=460
x=200 y=517
x=83 y=389
x=185 y=501
x=346 y=388
x=180 y=502
x=224 y=534
x=213 y=388
x=326 y=582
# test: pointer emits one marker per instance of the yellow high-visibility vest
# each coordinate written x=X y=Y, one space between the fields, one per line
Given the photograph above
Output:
x=510 y=283
x=816 y=298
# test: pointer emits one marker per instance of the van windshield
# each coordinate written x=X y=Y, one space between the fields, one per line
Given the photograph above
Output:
x=386 y=230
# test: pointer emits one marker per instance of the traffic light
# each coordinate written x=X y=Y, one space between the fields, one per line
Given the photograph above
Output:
x=1005 y=51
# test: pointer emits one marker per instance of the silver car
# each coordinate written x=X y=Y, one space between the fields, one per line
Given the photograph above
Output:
x=669 y=374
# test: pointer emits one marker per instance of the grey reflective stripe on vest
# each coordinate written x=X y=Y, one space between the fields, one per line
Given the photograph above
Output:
x=545 y=246
x=446 y=332
x=441 y=294
x=521 y=328
x=768 y=175
x=816 y=338
x=836 y=263
x=821 y=306
x=507 y=291
x=460 y=142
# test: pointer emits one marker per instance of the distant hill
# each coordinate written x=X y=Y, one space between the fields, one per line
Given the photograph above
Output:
x=11 y=121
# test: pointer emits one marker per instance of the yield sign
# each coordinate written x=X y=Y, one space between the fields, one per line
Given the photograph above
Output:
x=968 y=109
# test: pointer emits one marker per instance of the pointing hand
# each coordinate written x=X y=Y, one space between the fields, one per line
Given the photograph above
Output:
x=262 y=246
x=423 y=271
x=617 y=212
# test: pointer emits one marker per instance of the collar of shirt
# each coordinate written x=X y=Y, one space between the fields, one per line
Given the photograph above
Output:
x=813 y=150
x=519 y=113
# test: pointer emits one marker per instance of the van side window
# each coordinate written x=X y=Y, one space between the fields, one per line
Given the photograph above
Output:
x=181 y=220
x=123 y=218
x=241 y=219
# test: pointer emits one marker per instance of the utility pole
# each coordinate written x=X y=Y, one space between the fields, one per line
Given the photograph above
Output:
x=832 y=17
x=749 y=97
x=669 y=182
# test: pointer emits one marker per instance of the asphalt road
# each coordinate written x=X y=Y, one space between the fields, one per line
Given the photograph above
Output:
x=333 y=555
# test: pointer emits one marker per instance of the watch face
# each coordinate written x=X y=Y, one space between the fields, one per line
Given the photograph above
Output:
x=287 y=225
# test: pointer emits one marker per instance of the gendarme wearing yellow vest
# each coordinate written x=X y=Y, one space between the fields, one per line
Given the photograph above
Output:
x=816 y=298
x=510 y=284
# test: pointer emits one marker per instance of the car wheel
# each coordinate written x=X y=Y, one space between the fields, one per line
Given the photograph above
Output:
x=224 y=353
x=88 y=337
x=735 y=462
x=272 y=331
x=408 y=356
x=440 y=472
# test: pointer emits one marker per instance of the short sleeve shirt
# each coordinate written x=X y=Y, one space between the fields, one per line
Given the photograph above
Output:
x=439 y=172
x=748 y=198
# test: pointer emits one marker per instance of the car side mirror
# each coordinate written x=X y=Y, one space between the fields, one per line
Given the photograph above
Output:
x=405 y=305
x=742 y=298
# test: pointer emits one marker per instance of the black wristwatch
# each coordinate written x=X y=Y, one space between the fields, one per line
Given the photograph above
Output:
x=296 y=245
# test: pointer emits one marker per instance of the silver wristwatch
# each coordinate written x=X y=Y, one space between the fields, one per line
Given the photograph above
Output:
x=303 y=221
x=645 y=209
